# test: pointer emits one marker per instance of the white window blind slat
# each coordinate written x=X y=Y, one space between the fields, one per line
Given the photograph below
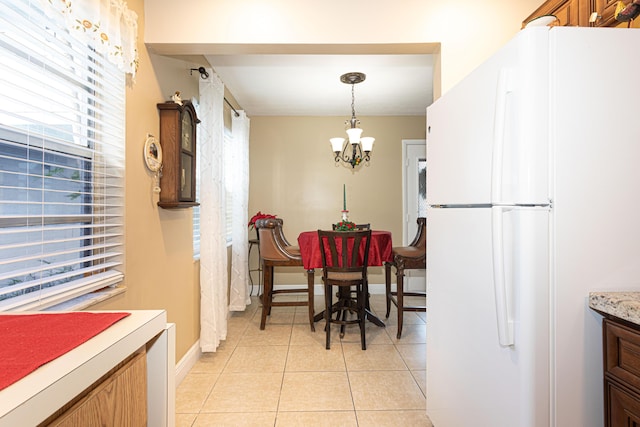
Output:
x=10 y=247
x=61 y=161
x=38 y=256
x=62 y=293
x=60 y=269
x=44 y=281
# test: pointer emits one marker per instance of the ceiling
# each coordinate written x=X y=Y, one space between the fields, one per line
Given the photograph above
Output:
x=309 y=84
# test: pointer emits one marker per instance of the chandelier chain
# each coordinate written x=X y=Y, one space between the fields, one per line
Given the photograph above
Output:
x=353 y=101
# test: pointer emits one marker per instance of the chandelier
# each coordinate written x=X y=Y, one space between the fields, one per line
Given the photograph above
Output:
x=355 y=149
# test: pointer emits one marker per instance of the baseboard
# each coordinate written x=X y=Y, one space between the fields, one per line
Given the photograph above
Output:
x=187 y=362
x=374 y=289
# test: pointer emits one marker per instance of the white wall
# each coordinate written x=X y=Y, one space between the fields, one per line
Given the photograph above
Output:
x=468 y=30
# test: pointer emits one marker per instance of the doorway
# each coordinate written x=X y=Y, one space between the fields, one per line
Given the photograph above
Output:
x=414 y=200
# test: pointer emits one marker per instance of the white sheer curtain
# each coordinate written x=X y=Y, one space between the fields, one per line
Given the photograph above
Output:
x=213 y=244
x=108 y=25
x=239 y=296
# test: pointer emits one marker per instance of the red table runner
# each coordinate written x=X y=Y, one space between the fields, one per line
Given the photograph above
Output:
x=379 y=249
x=28 y=341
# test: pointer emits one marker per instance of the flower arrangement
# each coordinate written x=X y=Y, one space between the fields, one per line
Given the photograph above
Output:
x=259 y=215
x=344 y=226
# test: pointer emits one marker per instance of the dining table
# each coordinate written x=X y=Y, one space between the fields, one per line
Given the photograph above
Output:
x=380 y=251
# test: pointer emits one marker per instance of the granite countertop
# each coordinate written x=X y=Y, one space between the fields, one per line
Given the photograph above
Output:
x=623 y=305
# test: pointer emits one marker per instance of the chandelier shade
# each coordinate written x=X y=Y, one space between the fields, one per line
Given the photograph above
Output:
x=355 y=148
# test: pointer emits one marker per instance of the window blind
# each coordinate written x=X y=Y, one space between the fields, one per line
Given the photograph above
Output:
x=62 y=130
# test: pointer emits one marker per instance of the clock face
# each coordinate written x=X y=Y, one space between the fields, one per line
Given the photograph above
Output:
x=187 y=131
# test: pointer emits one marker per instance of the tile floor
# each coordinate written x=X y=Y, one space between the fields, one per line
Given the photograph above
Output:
x=284 y=376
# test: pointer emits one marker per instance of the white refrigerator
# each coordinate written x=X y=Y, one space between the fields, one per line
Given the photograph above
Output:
x=533 y=193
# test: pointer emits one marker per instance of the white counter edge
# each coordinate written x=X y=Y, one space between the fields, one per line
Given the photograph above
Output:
x=35 y=397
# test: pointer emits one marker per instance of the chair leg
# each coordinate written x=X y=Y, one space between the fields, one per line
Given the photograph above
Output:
x=400 y=298
x=361 y=313
x=327 y=314
x=310 y=286
x=387 y=282
x=267 y=294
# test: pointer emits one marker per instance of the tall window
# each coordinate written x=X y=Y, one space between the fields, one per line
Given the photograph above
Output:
x=61 y=162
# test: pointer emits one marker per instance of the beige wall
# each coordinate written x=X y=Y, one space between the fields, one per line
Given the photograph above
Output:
x=294 y=175
x=292 y=171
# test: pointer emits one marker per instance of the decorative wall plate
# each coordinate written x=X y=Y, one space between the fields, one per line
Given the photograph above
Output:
x=152 y=153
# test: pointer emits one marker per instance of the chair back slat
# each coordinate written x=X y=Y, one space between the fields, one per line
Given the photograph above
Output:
x=348 y=250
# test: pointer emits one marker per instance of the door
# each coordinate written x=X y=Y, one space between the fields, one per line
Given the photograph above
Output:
x=414 y=176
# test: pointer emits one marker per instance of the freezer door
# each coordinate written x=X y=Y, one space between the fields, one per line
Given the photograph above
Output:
x=487 y=137
x=474 y=377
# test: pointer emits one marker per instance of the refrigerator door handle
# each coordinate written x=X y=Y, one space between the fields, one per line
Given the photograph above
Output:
x=503 y=306
x=503 y=88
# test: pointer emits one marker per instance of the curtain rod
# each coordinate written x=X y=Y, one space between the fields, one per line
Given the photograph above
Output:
x=234 y=110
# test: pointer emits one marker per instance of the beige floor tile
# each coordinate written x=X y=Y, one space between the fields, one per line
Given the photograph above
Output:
x=377 y=357
x=279 y=316
x=270 y=358
x=271 y=335
x=373 y=334
x=301 y=317
x=409 y=318
x=421 y=378
x=237 y=419
x=411 y=334
x=315 y=357
x=414 y=355
x=302 y=335
x=393 y=418
x=193 y=391
x=244 y=393
x=317 y=419
x=211 y=363
x=385 y=390
x=315 y=391
x=185 y=420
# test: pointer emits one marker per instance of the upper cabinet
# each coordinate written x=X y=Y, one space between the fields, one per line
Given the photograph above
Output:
x=605 y=10
x=578 y=12
x=568 y=12
x=178 y=142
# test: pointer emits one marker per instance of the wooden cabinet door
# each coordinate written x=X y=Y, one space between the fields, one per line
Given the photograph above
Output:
x=623 y=408
x=605 y=10
x=568 y=12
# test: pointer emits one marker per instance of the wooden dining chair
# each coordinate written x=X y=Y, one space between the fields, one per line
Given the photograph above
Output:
x=276 y=251
x=413 y=256
x=343 y=268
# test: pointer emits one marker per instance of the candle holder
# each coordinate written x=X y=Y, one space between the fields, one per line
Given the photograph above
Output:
x=345 y=215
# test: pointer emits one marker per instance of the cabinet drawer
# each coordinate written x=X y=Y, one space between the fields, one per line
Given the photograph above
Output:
x=622 y=353
x=622 y=406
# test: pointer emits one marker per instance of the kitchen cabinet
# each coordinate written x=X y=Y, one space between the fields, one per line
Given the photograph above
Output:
x=568 y=12
x=605 y=10
x=578 y=12
x=178 y=142
x=120 y=399
x=621 y=342
x=129 y=364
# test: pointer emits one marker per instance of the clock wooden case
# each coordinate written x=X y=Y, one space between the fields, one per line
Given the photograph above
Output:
x=178 y=141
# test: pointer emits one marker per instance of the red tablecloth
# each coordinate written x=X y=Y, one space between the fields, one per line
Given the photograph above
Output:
x=379 y=249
